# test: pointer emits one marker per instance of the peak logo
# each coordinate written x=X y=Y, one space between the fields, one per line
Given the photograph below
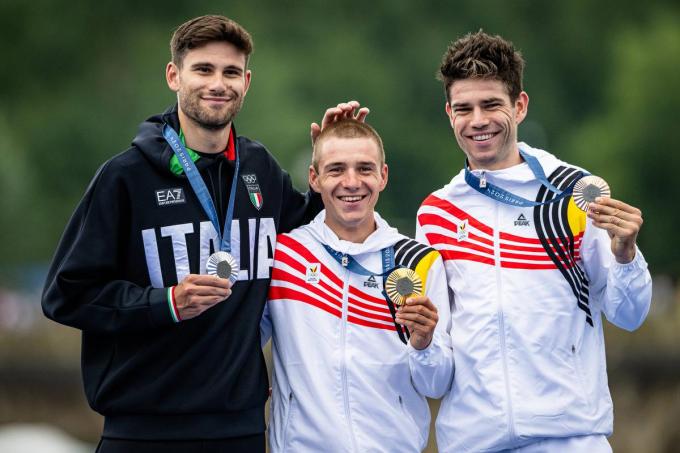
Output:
x=521 y=221
x=371 y=282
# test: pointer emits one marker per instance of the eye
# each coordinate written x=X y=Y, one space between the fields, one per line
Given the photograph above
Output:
x=461 y=110
x=232 y=73
x=203 y=69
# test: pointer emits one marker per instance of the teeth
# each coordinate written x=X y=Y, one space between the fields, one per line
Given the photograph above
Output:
x=480 y=138
x=354 y=198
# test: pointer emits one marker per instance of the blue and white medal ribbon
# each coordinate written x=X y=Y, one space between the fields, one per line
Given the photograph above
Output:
x=220 y=263
x=398 y=283
x=503 y=196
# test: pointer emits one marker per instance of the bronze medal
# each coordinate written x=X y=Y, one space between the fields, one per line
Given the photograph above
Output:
x=587 y=189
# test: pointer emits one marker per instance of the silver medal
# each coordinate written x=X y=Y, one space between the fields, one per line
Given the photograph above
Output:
x=223 y=265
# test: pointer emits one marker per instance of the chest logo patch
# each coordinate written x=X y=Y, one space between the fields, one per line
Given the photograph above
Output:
x=371 y=282
x=462 y=231
x=254 y=192
x=313 y=273
x=521 y=221
x=169 y=197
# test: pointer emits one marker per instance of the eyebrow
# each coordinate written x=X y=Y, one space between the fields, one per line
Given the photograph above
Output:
x=203 y=64
x=483 y=101
x=344 y=164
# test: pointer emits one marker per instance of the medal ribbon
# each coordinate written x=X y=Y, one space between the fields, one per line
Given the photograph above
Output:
x=353 y=265
x=199 y=187
x=388 y=266
x=498 y=194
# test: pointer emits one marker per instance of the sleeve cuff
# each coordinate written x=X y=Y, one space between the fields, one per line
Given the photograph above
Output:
x=422 y=356
x=639 y=264
x=163 y=311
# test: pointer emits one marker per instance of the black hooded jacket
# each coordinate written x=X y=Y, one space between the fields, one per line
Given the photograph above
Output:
x=139 y=230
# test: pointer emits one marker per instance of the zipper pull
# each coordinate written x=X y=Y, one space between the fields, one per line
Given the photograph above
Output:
x=482 y=181
x=345 y=261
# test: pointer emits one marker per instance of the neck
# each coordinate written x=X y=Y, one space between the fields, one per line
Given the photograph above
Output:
x=356 y=235
x=201 y=139
x=514 y=158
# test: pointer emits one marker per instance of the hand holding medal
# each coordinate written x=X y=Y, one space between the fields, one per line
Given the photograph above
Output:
x=622 y=221
x=404 y=288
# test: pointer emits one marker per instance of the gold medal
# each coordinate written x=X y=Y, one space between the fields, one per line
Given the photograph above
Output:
x=587 y=189
x=223 y=265
x=401 y=284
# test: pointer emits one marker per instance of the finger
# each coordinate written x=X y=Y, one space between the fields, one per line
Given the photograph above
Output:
x=314 y=131
x=421 y=301
x=361 y=114
x=330 y=116
x=610 y=205
x=205 y=290
x=206 y=280
x=614 y=216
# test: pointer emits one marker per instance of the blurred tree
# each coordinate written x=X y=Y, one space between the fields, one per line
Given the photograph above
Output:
x=631 y=140
x=80 y=76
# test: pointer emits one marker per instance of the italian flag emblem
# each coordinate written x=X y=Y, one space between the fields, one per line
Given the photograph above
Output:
x=254 y=192
x=256 y=199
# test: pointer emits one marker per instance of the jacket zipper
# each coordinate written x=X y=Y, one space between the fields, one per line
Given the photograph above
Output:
x=501 y=323
x=343 y=345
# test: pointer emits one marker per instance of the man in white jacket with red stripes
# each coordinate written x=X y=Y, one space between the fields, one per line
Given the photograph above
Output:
x=531 y=273
x=352 y=368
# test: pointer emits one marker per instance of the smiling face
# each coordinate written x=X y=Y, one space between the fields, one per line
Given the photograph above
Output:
x=211 y=84
x=485 y=120
x=350 y=176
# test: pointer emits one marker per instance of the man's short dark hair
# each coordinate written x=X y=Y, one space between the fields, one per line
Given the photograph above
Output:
x=482 y=56
x=202 y=30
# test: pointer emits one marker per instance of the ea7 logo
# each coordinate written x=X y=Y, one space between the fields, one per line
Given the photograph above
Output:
x=167 y=197
x=370 y=282
x=521 y=221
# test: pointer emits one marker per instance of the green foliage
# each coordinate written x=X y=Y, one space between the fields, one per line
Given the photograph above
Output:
x=631 y=139
x=79 y=76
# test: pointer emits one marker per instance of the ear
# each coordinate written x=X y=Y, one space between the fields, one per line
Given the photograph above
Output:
x=314 y=179
x=248 y=76
x=172 y=76
x=521 y=106
x=384 y=173
x=449 y=113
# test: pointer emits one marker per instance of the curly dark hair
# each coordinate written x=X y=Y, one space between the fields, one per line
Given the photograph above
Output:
x=482 y=56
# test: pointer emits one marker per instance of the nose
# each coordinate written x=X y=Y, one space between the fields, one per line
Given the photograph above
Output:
x=217 y=84
x=351 y=179
x=479 y=118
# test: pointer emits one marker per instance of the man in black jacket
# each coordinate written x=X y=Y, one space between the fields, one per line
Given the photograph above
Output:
x=170 y=355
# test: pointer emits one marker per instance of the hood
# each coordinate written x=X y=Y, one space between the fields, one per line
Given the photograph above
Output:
x=383 y=236
x=151 y=143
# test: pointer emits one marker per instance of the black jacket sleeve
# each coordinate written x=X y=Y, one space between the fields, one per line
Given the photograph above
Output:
x=297 y=208
x=85 y=286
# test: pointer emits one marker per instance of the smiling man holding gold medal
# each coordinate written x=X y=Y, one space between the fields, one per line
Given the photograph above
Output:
x=358 y=313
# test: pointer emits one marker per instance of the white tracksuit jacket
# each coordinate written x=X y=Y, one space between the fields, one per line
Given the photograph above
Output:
x=529 y=287
x=343 y=379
